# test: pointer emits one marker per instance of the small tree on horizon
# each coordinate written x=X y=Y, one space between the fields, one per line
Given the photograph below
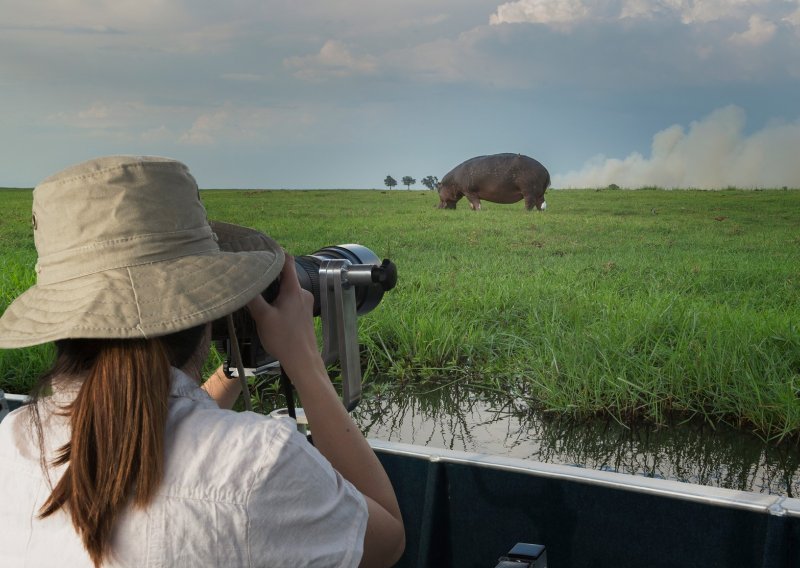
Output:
x=390 y=182
x=430 y=182
x=408 y=181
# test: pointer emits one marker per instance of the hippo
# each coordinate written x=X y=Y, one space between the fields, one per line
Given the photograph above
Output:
x=500 y=178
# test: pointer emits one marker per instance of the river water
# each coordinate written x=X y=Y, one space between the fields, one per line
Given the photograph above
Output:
x=690 y=451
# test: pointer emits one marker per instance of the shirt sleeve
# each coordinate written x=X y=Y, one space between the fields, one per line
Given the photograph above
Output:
x=302 y=512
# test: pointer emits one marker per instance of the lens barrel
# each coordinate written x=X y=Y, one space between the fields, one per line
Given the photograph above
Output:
x=368 y=295
x=365 y=272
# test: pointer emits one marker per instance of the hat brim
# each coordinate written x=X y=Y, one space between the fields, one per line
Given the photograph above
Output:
x=147 y=300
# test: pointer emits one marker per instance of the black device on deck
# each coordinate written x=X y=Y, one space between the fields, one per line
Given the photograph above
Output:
x=524 y=555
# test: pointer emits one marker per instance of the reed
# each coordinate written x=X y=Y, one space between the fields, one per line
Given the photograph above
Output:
x=638 y=304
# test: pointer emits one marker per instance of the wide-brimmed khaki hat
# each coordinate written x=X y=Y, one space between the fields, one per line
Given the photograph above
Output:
x=126 y=251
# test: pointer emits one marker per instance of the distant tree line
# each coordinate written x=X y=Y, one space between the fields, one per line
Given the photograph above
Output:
x=431 y=182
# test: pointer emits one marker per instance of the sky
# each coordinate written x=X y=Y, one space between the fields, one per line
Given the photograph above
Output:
x=341 y=93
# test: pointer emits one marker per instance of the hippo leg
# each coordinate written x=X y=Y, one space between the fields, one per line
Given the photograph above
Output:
x=532 y=201
x=474 y=203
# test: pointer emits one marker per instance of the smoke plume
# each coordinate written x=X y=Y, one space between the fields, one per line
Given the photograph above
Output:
x=713 y=153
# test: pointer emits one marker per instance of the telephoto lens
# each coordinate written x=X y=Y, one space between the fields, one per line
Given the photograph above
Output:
x=369 y=276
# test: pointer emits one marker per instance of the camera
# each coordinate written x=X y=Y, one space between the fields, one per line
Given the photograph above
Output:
x=346 y=281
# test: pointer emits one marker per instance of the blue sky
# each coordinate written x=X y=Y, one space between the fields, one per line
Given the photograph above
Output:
x=340 y=93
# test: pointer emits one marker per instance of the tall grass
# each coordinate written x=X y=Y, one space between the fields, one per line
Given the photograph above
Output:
x=633 y=303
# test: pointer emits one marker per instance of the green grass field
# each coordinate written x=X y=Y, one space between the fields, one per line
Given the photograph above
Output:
x=634 y=303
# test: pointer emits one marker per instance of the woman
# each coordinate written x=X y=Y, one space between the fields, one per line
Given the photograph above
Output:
x=123 y=460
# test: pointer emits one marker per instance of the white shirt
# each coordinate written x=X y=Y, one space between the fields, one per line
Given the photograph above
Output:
x=239 y=489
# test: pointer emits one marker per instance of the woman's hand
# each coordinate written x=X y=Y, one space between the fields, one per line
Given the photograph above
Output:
x=286 y=327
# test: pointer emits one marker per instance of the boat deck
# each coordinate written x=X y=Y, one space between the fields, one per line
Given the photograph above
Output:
x=467 y=510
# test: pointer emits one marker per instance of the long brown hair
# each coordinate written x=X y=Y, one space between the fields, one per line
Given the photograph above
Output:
x=115 y=455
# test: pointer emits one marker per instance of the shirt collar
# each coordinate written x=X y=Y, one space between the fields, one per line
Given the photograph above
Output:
x=184 y=386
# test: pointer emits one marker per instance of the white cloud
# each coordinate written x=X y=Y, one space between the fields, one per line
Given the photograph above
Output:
x=205 y=128
x=101 y=116
x=333 y=60
x=133 y=120
x=157 y=134
x=236 y=124
x=793 y=19
x=559 y=13
x=444 y=60
x=634 y=9
x=541 y=12
x=759 y=32
x=226 y=123
x=714 y=153
x=704 y=11
x=416 y=23
x=243 y=77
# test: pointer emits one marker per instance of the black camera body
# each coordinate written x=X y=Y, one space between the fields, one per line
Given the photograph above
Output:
x=346 y=281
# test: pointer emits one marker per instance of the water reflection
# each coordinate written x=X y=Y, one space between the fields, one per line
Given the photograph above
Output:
x=691 y=451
